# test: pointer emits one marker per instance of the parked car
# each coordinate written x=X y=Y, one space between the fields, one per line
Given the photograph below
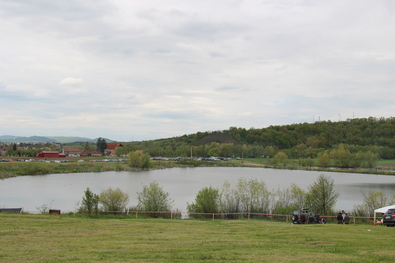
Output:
x=297 y=215
x=389 y=217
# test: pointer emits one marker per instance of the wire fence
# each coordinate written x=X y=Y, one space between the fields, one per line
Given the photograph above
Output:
x=206 y=216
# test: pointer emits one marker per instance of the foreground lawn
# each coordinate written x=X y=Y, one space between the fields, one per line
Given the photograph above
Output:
x=46 y=238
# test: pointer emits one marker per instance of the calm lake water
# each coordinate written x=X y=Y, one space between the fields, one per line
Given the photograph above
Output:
x=63 y=191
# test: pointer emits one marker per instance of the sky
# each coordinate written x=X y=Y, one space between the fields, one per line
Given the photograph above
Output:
x=142 y=70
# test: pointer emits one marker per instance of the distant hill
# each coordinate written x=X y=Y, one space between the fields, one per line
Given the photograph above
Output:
x=45 y=139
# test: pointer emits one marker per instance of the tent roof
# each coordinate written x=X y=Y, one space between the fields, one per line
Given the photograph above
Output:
x=384 y=209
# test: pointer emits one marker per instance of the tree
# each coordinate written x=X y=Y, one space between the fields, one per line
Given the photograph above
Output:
x=87 y=146
x=371 y=201
x=138 y=159
x=90 y=201
x=229 y=201
x=321 y=195
x=113 y=200
x=342 y=156
x=101 y=145
x=154 y=199
x=206 y=201
x=280 y=158
x=323 y=160
x=287 y=200
x=253 y=195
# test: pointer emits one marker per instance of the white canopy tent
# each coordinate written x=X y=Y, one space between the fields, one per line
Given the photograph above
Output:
x=382 y=210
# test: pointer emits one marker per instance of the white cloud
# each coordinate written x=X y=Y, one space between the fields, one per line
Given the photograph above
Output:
x=151 y=69
x=71 y=81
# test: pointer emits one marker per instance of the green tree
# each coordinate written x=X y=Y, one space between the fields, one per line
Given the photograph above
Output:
x=101 y=145
x=341 y=156
x=113 y=200
x=154 y=199
x=87 y=146
x=298 y=196
x=280 y=158
x=287 y=200
x=229 y=200
x=253 y=195
x=206 y=201
x=321 y=195
x=371 y=201
x=119 y=151
x=323 y=160
x=90 y=202
x=138 y=159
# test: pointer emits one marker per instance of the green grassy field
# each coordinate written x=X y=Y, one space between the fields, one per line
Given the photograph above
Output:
x=50 y=238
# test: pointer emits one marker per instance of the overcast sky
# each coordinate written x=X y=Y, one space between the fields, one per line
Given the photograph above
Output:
x=141 y=70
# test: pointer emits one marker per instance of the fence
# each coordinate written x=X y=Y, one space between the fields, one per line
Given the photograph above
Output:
x=211 y=216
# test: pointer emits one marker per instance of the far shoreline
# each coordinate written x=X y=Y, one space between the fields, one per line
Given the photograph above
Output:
x=76 y=165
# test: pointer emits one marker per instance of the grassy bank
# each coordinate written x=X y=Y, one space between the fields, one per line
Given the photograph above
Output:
x=46 y=238
x=12 y=169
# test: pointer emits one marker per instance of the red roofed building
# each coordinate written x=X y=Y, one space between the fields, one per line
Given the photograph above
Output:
x=110 y=151
x=72 y=151
x=50 y=154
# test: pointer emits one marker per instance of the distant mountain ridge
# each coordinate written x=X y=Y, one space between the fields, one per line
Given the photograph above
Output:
x=45 y=139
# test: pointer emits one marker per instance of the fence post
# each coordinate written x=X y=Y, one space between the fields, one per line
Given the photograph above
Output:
x=136 y=214
x=213 y=216
x=171 y=215
x=248 y=215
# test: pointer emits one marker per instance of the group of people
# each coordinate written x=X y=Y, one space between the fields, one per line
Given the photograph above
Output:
x=343 y=218
x=312 y=219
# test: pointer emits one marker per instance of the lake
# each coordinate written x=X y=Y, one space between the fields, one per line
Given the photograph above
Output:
x=63 y=191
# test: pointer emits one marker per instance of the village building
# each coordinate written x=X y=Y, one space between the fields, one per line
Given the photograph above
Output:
x=110 y=151
x=51 y=154
x=72 y=151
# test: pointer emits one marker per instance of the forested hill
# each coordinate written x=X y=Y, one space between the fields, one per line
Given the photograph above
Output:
x=324 y=134
x=296 y=140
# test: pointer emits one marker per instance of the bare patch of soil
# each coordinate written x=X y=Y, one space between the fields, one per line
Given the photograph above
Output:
x=320 y=243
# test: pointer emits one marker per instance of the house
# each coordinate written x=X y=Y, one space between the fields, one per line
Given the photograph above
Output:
x=96 y=154
x=49 y=154
x=110 y=151
x=72 y=151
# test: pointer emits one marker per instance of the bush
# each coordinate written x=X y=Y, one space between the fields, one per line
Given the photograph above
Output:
x=206 y=201
x=139 y=160
x=113 y=200
x=154 y=199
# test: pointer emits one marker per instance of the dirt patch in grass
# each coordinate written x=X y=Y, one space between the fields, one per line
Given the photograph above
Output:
x=320 y=243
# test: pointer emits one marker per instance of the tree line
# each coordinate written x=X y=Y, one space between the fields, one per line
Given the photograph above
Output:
x=366 y=137
x=248 y=196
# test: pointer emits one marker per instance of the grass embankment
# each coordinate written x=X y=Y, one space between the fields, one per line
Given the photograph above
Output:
x=46 y=238
x=12 y=169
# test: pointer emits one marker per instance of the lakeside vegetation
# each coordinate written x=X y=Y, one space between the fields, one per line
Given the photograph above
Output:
x=14 y=168
x=65 y=238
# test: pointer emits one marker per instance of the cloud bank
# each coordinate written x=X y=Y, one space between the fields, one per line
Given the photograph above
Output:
x=140 y=70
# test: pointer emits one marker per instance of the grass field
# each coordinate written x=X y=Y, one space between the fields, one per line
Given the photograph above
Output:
x=50 y=238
